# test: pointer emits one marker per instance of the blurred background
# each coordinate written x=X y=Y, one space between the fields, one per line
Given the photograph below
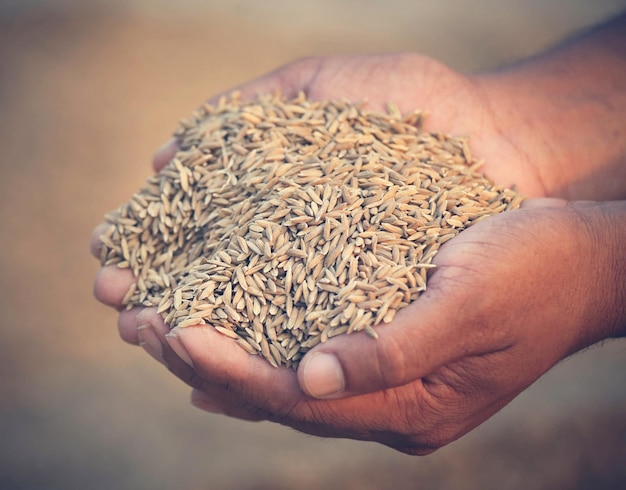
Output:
x=88 y=91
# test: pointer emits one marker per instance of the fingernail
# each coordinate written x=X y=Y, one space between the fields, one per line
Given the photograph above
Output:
x=203 y=402
x=178 y=347
x=323 y=376
x=150 y=342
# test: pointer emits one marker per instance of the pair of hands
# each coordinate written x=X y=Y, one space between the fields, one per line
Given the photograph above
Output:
x=509 y=298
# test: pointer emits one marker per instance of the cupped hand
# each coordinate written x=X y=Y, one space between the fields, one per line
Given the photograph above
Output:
x=509 y=298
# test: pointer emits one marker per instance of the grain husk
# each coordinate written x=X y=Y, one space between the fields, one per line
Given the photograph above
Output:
x=284 y=223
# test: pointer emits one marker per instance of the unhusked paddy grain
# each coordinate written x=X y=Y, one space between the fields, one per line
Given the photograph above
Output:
x=283 y=223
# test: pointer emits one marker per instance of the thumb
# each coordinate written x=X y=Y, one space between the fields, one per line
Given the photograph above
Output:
x=422 y=337
x=445 y=324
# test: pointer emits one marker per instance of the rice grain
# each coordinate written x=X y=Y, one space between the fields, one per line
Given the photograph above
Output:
x=283 y=223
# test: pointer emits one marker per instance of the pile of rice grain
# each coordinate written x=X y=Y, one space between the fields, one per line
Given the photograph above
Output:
x=283 y=223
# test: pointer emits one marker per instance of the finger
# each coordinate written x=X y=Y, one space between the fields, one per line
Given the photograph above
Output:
x=245 y=386
x=421 y=338
x=111 y=285
x=145 y=327
x=151 y=331
x=155 y=338
x=164 y=154
x=249 y=378
x=127 y=325
x=95 y=244
x=152 y=334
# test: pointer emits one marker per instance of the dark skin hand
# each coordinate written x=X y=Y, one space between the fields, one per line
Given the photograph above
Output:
x=509 y=298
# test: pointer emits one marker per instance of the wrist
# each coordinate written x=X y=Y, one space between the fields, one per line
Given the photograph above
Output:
x=614 y=215
x=603 y=227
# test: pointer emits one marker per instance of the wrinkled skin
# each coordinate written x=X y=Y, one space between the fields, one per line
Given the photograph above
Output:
x=509 y=298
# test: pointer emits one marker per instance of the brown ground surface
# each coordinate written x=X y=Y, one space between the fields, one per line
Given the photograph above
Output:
x=86 y=95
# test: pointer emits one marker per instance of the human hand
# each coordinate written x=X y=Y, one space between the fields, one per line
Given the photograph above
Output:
x=457 y=104
x=463 y=380
x=509 y=298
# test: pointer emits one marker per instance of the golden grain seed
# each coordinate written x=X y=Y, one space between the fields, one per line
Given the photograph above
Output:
x=296 y=221
x=226 y=331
